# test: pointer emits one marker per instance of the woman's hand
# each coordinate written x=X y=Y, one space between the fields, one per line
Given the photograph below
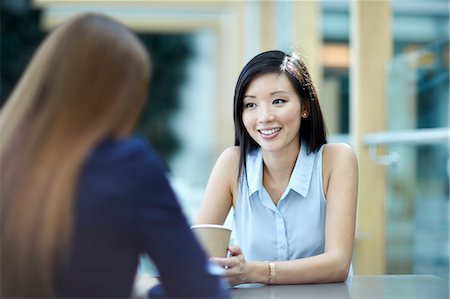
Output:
x=236 y=267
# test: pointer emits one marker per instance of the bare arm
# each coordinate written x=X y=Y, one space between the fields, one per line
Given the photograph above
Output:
x=219 y=193
x=340 y=174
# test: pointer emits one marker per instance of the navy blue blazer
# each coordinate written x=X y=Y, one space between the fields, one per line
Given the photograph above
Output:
x=124 y=207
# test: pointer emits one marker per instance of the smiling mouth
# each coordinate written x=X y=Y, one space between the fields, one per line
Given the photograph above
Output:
x=270 y=131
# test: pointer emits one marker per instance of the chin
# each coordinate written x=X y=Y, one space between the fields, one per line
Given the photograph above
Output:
x=271 y=148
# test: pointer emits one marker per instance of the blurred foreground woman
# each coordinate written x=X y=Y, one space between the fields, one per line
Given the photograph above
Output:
x=80 y=198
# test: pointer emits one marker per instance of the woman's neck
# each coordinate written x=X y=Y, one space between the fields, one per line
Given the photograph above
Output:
x=278 y=166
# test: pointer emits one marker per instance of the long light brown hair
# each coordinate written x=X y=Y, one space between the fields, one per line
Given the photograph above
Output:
x=87 y=82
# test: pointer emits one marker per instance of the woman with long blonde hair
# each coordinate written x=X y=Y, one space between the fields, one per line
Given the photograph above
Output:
x=80 y=198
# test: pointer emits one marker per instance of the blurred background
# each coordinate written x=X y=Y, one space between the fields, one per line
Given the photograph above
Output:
x=382 y=69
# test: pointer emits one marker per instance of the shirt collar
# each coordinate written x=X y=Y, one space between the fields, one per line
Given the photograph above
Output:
x=254 y=171
x=301 y=175
x=300 y=178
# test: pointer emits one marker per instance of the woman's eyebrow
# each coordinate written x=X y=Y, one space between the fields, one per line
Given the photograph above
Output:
x=272 y=93
x=278 y=91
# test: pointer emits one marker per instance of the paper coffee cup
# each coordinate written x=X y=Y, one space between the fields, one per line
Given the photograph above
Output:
x=214 y=238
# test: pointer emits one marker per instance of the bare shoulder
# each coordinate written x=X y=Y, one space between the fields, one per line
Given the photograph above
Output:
x=339 y=154
x=338 y=150
x=225 y=172
x=230 y=154
x=228 y=162
x=219 y=193
x=229 y=159
x=340 y=169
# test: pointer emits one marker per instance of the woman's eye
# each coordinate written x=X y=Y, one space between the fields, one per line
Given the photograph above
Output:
x=278 y=101
x=249 y=105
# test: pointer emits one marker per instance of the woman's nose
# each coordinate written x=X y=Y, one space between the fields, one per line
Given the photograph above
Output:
x=266 y=115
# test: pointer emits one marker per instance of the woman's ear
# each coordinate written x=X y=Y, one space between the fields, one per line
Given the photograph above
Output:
x=306 y=110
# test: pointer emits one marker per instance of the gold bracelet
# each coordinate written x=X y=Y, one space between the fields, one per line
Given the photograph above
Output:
x=272 y=273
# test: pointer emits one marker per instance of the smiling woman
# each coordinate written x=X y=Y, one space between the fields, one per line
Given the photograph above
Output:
x=294 y=196
x=271 y=110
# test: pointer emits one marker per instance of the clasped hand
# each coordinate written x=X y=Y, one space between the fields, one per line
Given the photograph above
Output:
x=235 y=266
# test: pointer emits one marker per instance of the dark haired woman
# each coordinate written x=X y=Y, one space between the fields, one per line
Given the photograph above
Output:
x=294 y=196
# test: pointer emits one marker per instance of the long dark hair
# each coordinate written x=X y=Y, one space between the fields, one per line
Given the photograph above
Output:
x=87 y=82
x=312 y=129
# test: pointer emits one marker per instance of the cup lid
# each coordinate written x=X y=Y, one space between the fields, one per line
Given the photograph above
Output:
x=210 y=226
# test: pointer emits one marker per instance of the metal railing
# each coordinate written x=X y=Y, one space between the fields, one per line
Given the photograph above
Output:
x=407 y=137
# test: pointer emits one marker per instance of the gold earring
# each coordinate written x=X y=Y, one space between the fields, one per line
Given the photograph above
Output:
x=305 y=114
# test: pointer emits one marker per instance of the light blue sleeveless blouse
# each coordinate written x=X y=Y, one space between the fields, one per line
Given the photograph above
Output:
x=293 y=229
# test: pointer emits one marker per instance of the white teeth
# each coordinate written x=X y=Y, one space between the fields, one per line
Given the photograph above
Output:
x=271 y=131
